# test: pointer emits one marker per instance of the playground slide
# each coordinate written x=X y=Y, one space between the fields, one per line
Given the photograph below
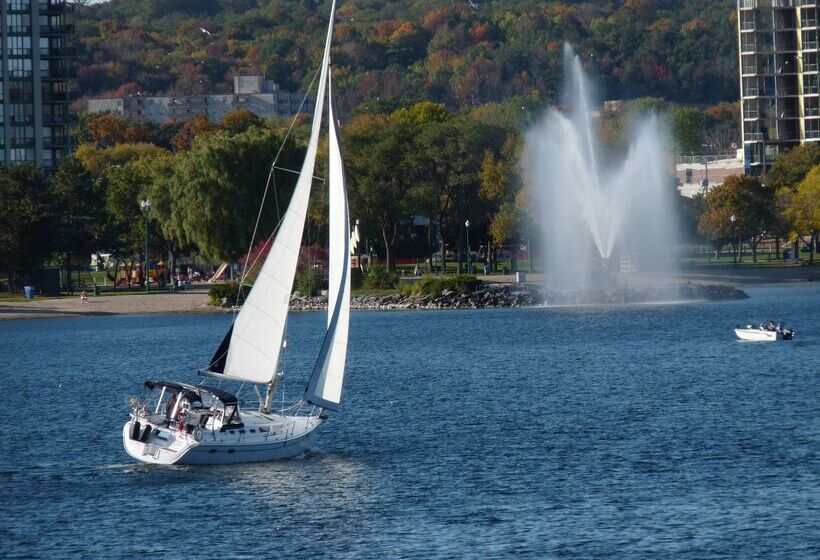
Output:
x=218 y=274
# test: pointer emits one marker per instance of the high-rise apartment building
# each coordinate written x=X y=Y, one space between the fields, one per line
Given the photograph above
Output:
x=778 y=77
x=34 y=82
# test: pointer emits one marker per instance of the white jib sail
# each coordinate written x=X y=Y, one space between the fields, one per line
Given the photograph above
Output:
x=256 y=340
x=325 y=386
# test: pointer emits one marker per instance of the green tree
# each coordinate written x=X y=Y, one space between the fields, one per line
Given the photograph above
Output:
x=379 y=177
x=789 y=169
x=689 y=129
x=79 y=211
x=217 y=187
x=26 y=239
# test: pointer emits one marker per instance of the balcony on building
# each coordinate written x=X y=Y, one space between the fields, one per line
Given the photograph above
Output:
x=65 y=29
x=54 y=6
x=57 y=52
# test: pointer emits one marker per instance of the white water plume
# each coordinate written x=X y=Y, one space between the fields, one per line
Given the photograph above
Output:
x=595 y=216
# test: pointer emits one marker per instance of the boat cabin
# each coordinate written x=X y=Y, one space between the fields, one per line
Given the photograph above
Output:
x=191 y=406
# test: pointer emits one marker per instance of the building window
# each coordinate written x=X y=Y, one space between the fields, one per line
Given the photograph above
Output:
x=812 y=129
x=18 y=5
x=19 y=23
x=18 y=46
x=21 y=113
x=810 y=84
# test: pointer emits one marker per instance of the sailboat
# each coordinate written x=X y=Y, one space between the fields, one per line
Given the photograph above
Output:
x=181 y=423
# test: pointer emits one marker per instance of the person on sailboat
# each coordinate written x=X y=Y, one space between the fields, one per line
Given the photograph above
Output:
x=169 y=408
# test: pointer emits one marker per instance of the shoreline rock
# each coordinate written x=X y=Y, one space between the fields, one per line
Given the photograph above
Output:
x=494 y=296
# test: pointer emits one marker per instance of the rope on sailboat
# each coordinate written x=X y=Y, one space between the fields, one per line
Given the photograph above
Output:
x=271 y=178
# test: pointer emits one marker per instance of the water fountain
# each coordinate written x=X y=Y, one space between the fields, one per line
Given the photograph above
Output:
x=600 y=219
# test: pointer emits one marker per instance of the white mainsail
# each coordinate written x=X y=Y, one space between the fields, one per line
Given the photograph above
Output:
x=325 y=385
x=257 y=333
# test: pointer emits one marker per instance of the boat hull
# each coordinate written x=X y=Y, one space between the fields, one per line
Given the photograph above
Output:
x=758 y=335
x=172 y=447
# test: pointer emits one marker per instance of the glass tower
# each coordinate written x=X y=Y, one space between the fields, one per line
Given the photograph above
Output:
x=34 y=82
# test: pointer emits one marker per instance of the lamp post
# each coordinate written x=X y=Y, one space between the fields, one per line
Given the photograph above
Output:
x=733 y=219
x=467 y=225
x=145 y=205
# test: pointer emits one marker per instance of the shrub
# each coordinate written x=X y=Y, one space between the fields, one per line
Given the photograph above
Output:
x=307 y=281
x=228 y=292
x=379 y=278
x=435 y=285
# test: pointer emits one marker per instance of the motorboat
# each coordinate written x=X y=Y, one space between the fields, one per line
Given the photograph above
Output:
x=182 y=423
x=764 y=332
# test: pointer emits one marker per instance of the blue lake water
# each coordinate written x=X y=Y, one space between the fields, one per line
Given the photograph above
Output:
x=637 y=432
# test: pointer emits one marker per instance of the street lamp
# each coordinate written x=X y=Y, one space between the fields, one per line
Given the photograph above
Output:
x=467 y=225
x=145 y=205
x=733 y=219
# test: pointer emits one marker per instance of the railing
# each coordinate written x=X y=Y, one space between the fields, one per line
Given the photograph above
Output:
x=18 y=7
x=55 y=52
x=58 y=96
x=22 y=143
x=753 y=137
x=58 y=119
x=56 y=29
x=710 y=158
x=810 y=45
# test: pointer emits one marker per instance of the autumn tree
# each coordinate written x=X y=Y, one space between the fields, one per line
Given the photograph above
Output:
x=239 y=120
x=739 y=209
x=802 y=209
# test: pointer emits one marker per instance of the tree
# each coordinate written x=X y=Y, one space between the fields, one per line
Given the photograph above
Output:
x=78 y=206
x=789 y=169
x=239 y=120
x=108 y=129
x=379 y=178
x=198 y=126
x=25 y=236
x=689 y=129
x=741 y=208
x=217 y=187
x=802 y=209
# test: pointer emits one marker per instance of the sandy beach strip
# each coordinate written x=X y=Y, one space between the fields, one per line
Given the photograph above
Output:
x=130 y=304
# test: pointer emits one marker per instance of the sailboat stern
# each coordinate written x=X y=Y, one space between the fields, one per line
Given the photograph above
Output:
x=151 y=444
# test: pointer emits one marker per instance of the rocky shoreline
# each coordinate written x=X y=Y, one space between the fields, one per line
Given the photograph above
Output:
x=505 y=295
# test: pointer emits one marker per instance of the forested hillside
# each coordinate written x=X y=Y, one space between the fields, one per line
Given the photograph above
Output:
x=390 y=54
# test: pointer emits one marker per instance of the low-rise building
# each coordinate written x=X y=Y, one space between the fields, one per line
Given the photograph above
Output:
x=262 y=97
x=700 y=174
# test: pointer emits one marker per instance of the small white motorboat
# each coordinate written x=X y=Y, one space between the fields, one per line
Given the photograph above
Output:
x=764 y=332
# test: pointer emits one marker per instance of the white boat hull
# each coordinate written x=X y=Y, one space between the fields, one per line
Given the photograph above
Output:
x=287 y=437
x=758 y=335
